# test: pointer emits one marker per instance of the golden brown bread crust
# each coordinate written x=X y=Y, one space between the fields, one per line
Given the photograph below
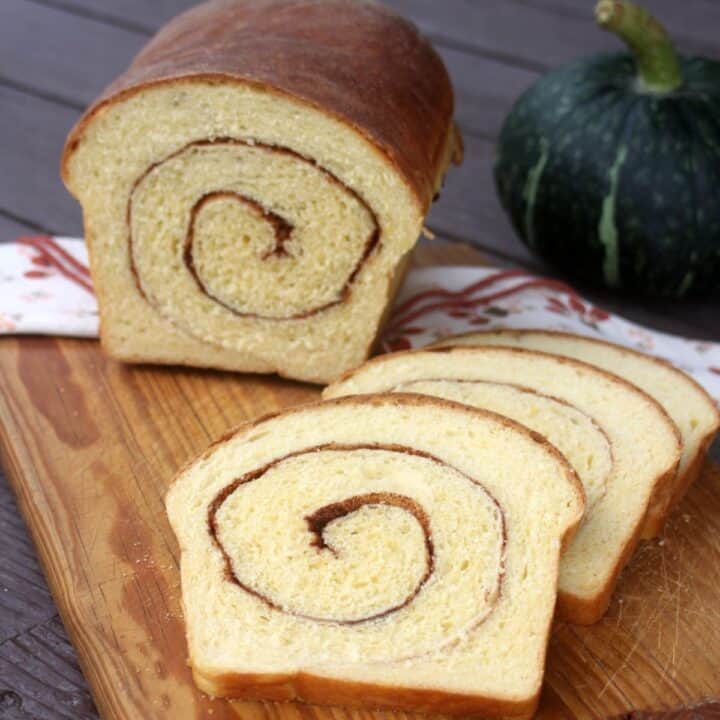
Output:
x=353 y=59
x=691 y=474
x=328 y=691
x=318 y=690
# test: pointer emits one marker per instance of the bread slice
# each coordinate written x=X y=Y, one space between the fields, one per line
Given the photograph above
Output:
x=396 y=551
x=247 y=202
x=685 y=401
x=588 y=413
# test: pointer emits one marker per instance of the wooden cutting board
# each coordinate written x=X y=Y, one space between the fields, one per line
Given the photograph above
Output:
x=91 y=446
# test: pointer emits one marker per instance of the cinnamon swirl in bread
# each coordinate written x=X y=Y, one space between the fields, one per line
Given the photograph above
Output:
x=619 y=440
x=393 y=551
x=251 y=184
x=687 y=403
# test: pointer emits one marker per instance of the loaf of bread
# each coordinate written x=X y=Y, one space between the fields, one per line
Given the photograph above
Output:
x=687 y=403
x=393 y=551
x=619 y=440
x=251 y=185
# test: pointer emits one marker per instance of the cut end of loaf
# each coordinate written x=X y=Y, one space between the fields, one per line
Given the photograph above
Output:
x=247 y=201
x=213 y=243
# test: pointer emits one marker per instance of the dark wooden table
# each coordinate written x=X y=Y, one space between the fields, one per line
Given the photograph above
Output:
x=56 y=55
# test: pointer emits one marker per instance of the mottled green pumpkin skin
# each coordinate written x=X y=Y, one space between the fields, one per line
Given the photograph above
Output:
x=614 y=186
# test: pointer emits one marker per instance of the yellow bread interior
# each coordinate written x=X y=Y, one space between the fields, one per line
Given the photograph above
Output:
x=573 y=432
x=642 y=442
x=687 y=404
x=499 y=503
x=146 y=159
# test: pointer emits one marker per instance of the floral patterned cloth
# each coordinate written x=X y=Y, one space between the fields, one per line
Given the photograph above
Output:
x=46 y=289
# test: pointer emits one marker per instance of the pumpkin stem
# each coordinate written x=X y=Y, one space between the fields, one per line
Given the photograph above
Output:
x=655 y=56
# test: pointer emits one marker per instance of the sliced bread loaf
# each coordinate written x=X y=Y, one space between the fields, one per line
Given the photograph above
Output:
x=398 y=551
x=687 y=403
x=621 y=442
x=247 y=200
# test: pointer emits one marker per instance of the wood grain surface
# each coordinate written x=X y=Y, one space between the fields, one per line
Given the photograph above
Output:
x=91 y=446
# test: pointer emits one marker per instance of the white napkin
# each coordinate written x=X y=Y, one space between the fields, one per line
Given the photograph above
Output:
x=46 y=289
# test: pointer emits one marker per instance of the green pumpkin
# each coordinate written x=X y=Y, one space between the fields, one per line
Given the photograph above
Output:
x=610 y=166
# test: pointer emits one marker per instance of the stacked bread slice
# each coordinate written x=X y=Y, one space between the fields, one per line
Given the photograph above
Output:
x=620 y=441
x=393 y=551
x=687 y=403
x=404 y=543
